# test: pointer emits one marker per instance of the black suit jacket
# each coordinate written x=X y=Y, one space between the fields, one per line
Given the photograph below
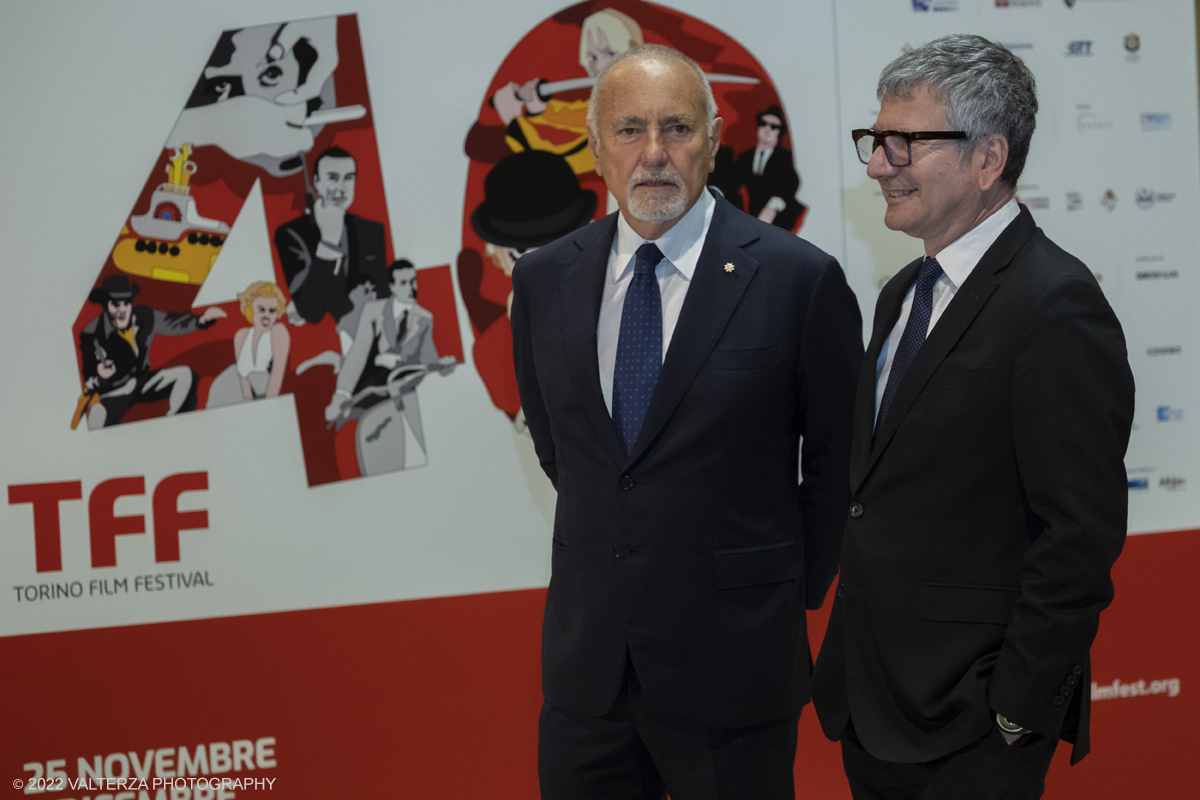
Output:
x=987 y=514
x=311 y=282
x=99 y=341
x=779 y=179
x=695 y=553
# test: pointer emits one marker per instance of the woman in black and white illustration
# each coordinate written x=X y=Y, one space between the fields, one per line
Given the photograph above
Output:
x=261 y=350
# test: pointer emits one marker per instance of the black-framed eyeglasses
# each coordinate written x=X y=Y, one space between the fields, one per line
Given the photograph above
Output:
x=897 y=145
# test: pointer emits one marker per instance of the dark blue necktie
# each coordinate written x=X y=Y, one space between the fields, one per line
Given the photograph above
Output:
x=914 y=334
x=639 y=347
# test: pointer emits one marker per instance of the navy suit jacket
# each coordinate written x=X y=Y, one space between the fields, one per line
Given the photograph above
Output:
x=987 y=514
x=695 y=554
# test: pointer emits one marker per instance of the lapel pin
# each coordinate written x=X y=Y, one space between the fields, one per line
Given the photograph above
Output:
x=729 y=267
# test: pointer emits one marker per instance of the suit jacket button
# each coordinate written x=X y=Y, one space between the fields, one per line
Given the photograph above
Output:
x=1078 y=670
x=1058 y=700
x=627 y=482
x=1072 y=680
x=1064 y=691
x=841 y=590
x=856 y=510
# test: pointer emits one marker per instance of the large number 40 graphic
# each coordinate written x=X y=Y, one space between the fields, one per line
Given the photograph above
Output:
x=334 y=320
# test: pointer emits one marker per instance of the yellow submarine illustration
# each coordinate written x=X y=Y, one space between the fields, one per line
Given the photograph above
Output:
x=172 y=241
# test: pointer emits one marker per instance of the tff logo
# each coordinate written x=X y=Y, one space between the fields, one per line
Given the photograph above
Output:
x=103 y=524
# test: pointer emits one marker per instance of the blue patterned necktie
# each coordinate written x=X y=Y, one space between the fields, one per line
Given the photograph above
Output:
x=914 y=334
x=639 y=347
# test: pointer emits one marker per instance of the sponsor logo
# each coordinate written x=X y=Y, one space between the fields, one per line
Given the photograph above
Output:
x=1087 y=121
x=1080 y=47
x=1168 y=414
x=1074 y=201
x=1171 y=482
x=1160 y=121
x=935 y=5
x=1036 y=202
x=1018 y=4
x=1109 y=200
x=1146 y=198
x=1168 y=350
x=1133 y=42
x=1139 y=484
x=1014 y=46
x=1156 y=274
x=1070 y=3
x=1117 y=689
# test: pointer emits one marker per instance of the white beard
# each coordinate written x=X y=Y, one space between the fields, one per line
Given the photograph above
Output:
x=659 y=209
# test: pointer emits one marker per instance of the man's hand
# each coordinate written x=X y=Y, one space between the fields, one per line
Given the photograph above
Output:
x=245 y=126
x=510 y=99
x=293 y=315
x=388 y=360
x=322 y=35
x=334 y=409
x=506 y=102
x=528 y=93
x=212 y=314
x=106 y=369
x=446 y=365
x=330 y=219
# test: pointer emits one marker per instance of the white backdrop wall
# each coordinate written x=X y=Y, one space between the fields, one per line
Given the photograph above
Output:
x=92 y=90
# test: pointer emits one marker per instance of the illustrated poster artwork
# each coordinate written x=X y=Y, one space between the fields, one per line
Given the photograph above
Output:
x=341 y=326
x=532 y=179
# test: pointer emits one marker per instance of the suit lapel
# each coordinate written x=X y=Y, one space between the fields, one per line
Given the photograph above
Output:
x=890 y=301
x=711 y=299
x=966 y=305
x=582 y=289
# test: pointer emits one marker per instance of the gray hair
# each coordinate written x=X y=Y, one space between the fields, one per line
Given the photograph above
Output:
x=660 y=53
x=985 y=88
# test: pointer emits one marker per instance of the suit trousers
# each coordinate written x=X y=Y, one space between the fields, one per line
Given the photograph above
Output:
x=987 y=769
x=630 y=754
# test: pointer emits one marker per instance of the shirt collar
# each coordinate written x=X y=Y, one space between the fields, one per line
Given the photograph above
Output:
x=681 y=245
x=959 y=257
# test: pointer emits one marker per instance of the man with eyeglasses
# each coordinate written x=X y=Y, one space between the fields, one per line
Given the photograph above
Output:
x=989 y=489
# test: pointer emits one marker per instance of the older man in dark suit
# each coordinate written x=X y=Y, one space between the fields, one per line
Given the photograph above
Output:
x=670 y=357
x=993 y=412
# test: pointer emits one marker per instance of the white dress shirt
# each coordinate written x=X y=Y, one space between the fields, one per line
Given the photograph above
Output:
x=761 y=156
x=958 y=259
x=681 y=247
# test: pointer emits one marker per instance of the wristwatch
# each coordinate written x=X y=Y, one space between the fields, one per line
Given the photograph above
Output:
x=1009 y=727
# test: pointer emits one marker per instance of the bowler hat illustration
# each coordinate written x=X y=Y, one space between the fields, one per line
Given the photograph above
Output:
x=114 y=287
x=530 y=199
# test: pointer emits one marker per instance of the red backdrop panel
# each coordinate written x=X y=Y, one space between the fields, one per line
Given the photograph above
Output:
x=439 y=698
